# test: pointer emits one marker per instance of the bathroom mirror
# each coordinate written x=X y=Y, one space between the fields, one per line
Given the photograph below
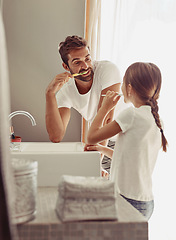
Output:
x=33 y=31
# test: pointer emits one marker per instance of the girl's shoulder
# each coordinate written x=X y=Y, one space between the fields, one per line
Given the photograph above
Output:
x=125 y=118
x=141 y=111
x=129 y=111
x=132 y=116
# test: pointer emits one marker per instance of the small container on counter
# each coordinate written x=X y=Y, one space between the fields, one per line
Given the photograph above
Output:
x=25 y=177
x=15 y=144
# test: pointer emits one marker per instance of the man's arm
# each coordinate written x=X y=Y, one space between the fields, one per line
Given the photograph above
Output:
x=56 y=119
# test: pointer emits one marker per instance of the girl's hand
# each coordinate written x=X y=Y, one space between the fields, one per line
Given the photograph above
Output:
x=110 y=100
x=97 y=147
x=100 y=148
x=104 y=173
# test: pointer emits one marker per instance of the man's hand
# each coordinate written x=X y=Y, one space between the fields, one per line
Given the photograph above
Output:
x=57 y=83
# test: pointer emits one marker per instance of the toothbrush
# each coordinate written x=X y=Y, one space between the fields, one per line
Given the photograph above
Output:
x=119 y=94
x=78 y=74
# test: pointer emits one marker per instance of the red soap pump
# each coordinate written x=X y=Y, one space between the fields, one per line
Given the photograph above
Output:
x=13 y=137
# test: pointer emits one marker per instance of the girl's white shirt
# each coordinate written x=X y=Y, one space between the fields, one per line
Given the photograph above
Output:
x=106 y=74
x=135 y=153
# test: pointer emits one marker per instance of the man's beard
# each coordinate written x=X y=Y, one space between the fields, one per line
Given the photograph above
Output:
x=86 y=78
x=82 y=77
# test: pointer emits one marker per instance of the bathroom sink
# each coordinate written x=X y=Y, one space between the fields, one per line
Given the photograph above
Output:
x=57 y=159
x=52 y=147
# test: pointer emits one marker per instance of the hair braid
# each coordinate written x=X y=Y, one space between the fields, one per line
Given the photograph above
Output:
x=154 y=109
x=145 y=79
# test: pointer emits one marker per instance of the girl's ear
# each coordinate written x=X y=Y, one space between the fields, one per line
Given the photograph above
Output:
x=65 y=66
x=129 y=89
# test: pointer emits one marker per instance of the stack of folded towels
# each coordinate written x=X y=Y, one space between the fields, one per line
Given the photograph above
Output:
x=86 y=198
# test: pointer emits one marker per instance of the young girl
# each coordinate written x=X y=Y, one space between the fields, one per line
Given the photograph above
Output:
x=140 y=135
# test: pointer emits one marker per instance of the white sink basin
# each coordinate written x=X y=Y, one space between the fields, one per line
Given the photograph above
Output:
x=57 y=159
x=52 y=147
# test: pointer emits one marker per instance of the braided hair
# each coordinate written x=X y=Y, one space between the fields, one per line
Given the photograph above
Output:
x=145 y=78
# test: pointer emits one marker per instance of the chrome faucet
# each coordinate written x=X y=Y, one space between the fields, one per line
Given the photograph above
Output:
x=23 y=113
x=15 y=146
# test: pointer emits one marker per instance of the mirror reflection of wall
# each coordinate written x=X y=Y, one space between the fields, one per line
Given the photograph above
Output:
x=33 y=31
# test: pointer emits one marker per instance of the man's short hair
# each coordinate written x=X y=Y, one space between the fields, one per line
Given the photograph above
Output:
x=71 y=43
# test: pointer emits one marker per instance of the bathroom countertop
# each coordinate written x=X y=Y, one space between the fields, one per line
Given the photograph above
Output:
x=131 y=225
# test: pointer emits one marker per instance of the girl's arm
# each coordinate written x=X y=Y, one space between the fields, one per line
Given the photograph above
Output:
x=100 y=148
x=97 y=131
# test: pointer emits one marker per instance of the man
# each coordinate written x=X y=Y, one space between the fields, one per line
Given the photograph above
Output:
x=82 y=92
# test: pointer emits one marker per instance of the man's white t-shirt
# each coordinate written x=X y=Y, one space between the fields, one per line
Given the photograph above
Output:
x=106 y=74
x=135 y=153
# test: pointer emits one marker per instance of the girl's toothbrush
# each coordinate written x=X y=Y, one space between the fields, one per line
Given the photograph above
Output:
x=78 y=74
x=119 y=94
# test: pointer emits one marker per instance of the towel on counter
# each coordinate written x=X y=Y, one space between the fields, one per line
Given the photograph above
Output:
x=86 y=198
x=84 y=187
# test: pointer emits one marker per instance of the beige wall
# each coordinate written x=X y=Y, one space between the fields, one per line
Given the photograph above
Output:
x=33 y=31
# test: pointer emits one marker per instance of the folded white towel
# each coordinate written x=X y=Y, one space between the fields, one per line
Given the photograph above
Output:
x=86 y=187
x=86 y=198
x=86 y=209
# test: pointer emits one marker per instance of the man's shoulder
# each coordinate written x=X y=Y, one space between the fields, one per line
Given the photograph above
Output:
x=103 y=63
x=105 y=66
x=107 y=72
